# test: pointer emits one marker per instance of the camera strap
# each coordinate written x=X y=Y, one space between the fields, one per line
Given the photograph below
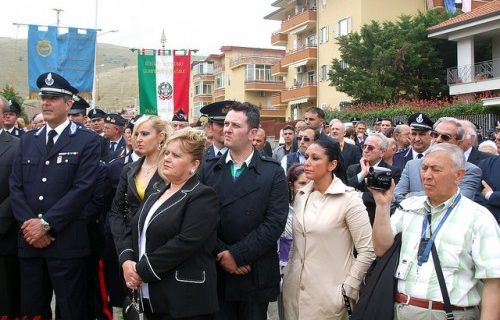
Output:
x=424 y=257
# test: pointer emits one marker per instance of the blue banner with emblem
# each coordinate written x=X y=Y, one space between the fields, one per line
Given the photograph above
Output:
x=69 y=52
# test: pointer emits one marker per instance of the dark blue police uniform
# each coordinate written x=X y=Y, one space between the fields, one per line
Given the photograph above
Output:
x=55 y=185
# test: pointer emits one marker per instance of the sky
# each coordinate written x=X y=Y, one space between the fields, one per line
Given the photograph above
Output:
x=205 y=25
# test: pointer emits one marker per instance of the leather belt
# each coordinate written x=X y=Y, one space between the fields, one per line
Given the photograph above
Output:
x=426 y=304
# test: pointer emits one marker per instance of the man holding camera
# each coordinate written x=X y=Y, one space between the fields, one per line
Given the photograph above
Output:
x=373 y=151
x=443 y=223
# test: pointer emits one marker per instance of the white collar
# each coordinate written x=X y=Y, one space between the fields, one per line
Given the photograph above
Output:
x=59 y=129
x=415 y=153
x=247 y=161
x=467 y=153
x=224 y=149
x=1 y=130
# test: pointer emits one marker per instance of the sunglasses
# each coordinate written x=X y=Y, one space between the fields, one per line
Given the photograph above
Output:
x=306 y=139
x=368 y=147
x=445 y=137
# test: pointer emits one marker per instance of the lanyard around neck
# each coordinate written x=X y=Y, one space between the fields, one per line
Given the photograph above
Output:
x=425 y=255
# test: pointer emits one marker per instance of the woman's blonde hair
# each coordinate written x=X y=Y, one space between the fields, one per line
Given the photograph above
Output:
x=190 y=140
x=157 y=124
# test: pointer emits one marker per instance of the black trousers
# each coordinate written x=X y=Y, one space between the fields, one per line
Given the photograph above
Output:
x=66 y=277
x=166 y=316
x=242 y=310
x=10 y=293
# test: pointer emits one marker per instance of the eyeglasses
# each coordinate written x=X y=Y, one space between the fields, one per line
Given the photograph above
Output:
x=368 y=147
x=306 y=139
x=444 y=136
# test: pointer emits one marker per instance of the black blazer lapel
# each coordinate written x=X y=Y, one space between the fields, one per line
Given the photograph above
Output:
x=5 y=145
x=134 y=168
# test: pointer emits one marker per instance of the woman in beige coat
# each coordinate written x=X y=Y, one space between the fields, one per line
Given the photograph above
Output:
x=330 y=222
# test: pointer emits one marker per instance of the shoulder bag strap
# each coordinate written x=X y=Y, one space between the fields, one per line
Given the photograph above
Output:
x=442 y=283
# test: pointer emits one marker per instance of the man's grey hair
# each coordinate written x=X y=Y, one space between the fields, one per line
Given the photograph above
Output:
x=460 y=130
x=383 y=140
x=488 y=144
x=400 y=127
x=342 y=125
x=454 y=152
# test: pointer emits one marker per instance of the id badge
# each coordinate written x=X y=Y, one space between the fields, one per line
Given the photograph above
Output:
x=403 y=269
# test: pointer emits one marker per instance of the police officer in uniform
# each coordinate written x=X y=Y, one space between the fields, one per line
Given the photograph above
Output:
x=78 y=111
x=113 y=146
x=216 y=113
x=11 y=112
x=52 y=180
x=96 y=117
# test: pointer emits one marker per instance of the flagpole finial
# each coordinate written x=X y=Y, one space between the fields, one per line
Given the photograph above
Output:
x=163 y=39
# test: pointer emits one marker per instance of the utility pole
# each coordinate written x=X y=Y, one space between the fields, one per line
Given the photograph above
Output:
x=58 y=13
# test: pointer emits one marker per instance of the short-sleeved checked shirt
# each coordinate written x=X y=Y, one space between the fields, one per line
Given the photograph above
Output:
x=467 y=244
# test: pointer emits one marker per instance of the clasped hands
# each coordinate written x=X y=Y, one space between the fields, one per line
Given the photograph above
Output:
x=132 y=278
x=227 y=262
x=35 y=234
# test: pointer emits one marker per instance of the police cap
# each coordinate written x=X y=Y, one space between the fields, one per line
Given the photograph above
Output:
x=420 y=121
x=133 y=121
x=12 y=106
x=115 y=118
x=52 y=84
x=79 y=106
x=217 y=111
x=355 y=120
x=96 y=114
x=378 y=120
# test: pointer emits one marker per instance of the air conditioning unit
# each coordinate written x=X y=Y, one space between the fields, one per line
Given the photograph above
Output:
x=301 y=69
x=325 y=106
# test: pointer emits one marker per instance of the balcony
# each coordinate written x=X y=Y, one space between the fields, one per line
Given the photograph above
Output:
x=276 y=100
x=270 y=86
x=202 y=98
x=244 y=60
x=273 y=112
x=278 y=70
x=482 y=76
x=279 y=39
x=300 y=91
x=203 y=77
x=221 y=92
x=219 y=68
x=306 y=19
x=306 y=53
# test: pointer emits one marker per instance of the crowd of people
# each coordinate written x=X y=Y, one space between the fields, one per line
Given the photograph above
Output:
x=214 y=223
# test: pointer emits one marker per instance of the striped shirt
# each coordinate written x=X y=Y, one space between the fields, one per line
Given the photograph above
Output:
x=467 y=244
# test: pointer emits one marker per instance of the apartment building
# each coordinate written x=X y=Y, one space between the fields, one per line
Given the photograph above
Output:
x=238 y=73
x=308 y=32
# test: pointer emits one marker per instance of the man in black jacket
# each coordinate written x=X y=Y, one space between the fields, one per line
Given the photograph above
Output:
x=253 y=196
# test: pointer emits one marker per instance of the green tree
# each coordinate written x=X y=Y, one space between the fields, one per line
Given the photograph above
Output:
x=389 y=61
x=9 y=93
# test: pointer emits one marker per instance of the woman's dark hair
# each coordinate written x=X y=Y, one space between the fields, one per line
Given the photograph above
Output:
x=332 y=151
x=294 y=173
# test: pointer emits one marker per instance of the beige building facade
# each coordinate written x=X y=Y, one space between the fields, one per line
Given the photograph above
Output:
x=308 y=32
x=238 y=73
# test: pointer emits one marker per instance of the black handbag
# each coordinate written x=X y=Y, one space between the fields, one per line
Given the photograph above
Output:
x=131 y=308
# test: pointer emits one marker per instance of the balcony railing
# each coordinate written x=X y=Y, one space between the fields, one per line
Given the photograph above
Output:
x=300 y=90
x=474 y=72
x=301 y=18
x=266 y=85
x=306 y=52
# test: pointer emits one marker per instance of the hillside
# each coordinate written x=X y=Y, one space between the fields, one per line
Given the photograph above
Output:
x=116 y=73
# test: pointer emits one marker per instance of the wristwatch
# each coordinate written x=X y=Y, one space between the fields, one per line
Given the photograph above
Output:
x=45 y=225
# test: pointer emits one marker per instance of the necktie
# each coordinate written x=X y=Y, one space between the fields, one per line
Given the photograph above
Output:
x=219 y=154
x=50 y=141
x=419 y=156
x=112 y=146
x=129 y=159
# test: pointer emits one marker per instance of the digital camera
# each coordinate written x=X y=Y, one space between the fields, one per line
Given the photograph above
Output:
x=379 y=178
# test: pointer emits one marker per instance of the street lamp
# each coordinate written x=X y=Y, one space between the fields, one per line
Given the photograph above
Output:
x=94 y=89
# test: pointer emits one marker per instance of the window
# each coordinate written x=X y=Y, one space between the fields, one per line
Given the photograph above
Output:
x=311 y=41
x=197 y=106
x=343 y=64
x=323 y=35
x=219 y=81
x=202 y=88
x=311 y=78
x=343 y=27
x=324 y=72
x=203 y=68
x=258 y=72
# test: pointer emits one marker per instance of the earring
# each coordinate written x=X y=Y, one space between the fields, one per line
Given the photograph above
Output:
x=159 y=146
x=192 y=171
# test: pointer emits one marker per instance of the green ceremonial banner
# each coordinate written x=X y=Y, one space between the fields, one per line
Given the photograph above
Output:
x=147 y=84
